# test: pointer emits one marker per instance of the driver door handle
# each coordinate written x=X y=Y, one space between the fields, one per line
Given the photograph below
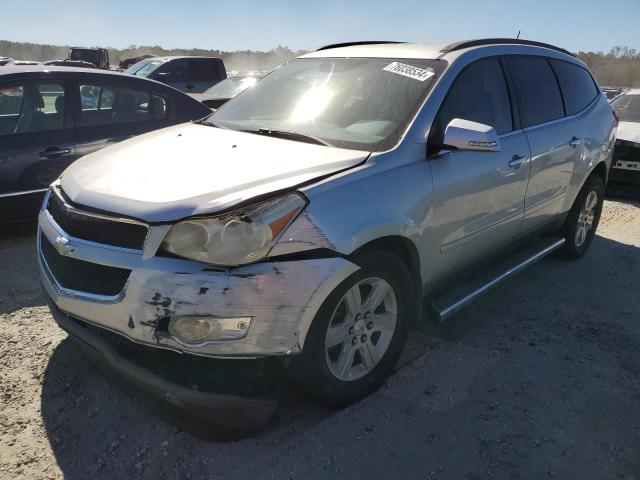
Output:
x=575 y=141
x=54 y=152
x=517 y=161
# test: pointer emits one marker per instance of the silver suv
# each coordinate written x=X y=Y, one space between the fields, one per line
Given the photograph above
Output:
x=310 y=216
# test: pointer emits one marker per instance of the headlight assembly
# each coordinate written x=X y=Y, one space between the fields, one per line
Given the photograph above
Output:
x=236 y=238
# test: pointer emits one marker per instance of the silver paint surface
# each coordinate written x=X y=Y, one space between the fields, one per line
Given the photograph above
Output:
x=453 y=207
x=281 y=305
x=192 y=169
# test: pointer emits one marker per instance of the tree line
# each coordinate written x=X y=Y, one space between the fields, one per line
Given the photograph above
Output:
x=234 y=60
x=619 y=67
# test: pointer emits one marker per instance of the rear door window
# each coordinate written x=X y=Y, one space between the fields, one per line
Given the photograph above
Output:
x=479 y=94
x=31 y=108
x=578 y=88
x=537 y=90
x=202 y=70
x=173 y=71
x=109 y=104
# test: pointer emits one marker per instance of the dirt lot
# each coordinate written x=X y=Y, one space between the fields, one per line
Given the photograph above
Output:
x=539 y=379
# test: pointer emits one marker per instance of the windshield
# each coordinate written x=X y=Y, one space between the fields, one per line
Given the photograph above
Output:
x=230 y=87
x=143 y=68
x=627 y=107
x=355 y=103
x=90 y=56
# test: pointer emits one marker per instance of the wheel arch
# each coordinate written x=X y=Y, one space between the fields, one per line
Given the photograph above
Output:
x=406 y=250
x=601 y=170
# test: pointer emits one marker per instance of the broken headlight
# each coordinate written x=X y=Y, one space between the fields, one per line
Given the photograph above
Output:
x=237 y=238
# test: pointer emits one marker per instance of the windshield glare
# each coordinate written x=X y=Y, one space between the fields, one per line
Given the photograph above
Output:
x=143 y=68
x=355 y=103
x=628 y=108
x=232 y=86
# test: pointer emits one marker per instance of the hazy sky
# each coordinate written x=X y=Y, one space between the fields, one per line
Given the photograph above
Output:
x=262 y=25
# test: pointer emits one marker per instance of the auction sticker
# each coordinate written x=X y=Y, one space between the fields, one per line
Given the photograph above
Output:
x=410 y=71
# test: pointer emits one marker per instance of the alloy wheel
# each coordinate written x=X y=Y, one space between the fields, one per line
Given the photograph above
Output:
x=586 y=218
x=361 y=329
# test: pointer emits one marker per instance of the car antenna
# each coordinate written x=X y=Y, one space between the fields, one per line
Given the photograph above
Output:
x=518 y=36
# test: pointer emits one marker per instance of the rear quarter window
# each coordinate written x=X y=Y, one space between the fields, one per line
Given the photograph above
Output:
x=537 y=90
x=202 y=69
x=578 y=88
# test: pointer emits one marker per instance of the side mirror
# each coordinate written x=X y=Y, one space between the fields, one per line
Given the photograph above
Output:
x=473 y=136
x=163 y=76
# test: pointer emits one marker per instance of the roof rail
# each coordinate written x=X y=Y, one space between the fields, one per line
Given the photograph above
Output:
x=351 y=44
x=452 y=47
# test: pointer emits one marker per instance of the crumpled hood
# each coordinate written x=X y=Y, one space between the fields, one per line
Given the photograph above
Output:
x=629 y=131
x=193 y=169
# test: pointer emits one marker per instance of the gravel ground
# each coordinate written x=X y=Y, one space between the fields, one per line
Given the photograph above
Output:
x=538 y=379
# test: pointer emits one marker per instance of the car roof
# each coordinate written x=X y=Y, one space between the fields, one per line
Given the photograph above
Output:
x=36 y=70
x=174 y=57
x=383 y=50
x=9 y=69
x=429 y=51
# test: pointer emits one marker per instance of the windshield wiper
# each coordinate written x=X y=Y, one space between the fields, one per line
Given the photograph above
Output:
x=210 y=123
x=286 y=134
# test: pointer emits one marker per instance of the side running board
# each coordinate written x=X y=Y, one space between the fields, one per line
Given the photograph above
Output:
x=445 y=307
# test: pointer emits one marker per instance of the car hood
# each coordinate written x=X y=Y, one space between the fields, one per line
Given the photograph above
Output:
x=629 y=131
x=201 y=97
x=194 y=169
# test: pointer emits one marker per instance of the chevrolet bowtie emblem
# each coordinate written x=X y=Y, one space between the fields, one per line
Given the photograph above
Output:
x=63 y=247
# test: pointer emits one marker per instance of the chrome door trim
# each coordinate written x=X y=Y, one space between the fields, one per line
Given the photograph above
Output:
x=25 y=192
x=447 y=311
x=563 y=119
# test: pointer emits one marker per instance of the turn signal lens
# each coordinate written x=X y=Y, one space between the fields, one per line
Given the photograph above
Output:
x=197 y=330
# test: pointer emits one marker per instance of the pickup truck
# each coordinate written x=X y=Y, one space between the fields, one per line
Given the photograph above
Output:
x=187 y=74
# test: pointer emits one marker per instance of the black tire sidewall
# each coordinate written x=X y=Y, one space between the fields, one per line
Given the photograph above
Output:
x=310 y=370
x=571 y=250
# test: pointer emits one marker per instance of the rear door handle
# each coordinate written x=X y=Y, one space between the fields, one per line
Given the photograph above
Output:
x=575 y=141
x=517 y=161
x=54 y=152
x=118 y=139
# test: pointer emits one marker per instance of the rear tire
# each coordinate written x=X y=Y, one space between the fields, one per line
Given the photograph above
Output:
x=584 y=216
x=368 y=317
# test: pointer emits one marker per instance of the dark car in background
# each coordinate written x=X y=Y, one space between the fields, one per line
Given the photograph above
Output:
x=51 y=116
x=23 y=63
x=624 y=178
x=127 y=62
x=224 y=91
x=613 y=92
x=68 y=63
x=98 y=57
x=188 y=74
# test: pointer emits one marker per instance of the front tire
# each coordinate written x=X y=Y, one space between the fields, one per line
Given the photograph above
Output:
x=357 y=334
x=584 y=216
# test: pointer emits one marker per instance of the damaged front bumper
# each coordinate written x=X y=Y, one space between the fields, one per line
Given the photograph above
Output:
x=281 y=297
x=625 y=165
x=213 y=415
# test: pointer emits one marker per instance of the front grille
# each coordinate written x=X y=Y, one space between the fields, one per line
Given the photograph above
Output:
x=626 y=151
x=96 y=229
x=87 y=277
